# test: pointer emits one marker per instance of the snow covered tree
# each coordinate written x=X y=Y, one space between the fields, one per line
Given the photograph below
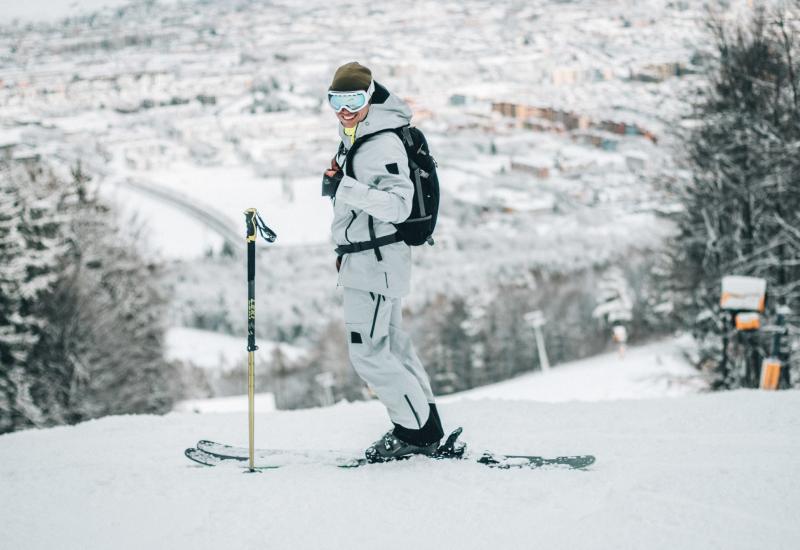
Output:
x=30 y=257
x=106 y=318
x=81 y=330
x=509 y=344
x=742 y=205
x=330 y=355
x=444 y=346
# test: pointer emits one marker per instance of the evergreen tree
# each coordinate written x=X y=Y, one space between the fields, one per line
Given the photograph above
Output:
x=30 y=257
x=81 y=330
x=444 y=346
x=106 y=319
x=742 y=206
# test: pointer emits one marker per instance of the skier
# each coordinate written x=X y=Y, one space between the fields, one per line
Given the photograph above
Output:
x=374 y=264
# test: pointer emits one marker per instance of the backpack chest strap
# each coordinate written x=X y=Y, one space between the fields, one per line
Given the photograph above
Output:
x=368 y=245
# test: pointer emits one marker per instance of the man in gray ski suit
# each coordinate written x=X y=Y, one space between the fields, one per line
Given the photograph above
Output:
x=374 y=264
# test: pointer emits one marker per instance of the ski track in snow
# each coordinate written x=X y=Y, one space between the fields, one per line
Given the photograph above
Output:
x=699 y=471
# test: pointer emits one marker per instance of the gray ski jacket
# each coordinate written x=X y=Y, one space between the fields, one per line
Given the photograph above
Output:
x=381 y=188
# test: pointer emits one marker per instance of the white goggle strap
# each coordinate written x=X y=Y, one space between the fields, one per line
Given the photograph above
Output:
x=370 y=90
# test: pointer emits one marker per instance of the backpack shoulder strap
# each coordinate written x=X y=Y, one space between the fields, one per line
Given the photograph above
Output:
x=348 y=167
x=404 y=133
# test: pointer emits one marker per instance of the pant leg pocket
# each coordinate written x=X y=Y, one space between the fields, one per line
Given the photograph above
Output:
x=374 y=330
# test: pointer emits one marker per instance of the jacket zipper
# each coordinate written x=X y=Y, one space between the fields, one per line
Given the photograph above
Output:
x=348 y=226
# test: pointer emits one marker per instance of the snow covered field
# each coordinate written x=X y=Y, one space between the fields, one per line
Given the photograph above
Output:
x=697 y=472
x=653 y=370
x=690 y=472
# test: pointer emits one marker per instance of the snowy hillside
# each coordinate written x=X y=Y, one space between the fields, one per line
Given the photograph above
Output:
x=655 y=370
x=690 y=472
x=697 y=472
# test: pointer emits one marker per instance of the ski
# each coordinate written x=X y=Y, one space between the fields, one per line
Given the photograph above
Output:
x=267 y=461
x=207 y=459
x=242 y=453
x=505 y=462
x=211 y=453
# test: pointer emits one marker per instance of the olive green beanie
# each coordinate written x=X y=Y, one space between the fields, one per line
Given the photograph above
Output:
x=351 y=77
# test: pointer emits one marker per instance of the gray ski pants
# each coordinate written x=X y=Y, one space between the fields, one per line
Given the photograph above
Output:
x=382 y=354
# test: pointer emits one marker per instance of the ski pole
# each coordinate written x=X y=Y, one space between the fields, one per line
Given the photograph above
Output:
x=254 y=225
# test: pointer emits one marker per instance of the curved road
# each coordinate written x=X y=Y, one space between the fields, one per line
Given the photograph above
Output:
x=207 y=215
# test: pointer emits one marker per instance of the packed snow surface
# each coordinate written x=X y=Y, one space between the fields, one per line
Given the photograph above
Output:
x=659 y=369
x=692 y=472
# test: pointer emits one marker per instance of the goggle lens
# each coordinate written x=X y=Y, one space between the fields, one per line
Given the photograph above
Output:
x=352 y=101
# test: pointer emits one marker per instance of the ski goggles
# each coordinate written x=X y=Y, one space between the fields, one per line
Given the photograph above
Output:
x=350 y=101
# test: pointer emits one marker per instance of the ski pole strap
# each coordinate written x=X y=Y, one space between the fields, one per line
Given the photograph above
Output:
x=368 y=245
x=268 y=234
x=255 y=224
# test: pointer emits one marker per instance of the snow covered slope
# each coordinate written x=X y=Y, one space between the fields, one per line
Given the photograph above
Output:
x=694 y=472
x=654 y=370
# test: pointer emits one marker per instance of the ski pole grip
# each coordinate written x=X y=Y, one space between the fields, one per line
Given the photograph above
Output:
x=250 y=221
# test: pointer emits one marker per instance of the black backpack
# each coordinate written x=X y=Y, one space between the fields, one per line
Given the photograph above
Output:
x=418 y=228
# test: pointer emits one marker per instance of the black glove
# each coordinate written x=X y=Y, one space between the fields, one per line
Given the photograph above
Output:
x=331 y=183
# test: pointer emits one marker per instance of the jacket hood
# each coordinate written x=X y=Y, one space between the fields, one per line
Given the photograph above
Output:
x=386 y=111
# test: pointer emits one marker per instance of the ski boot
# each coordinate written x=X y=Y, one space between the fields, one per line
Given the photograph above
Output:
x=390 y=447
